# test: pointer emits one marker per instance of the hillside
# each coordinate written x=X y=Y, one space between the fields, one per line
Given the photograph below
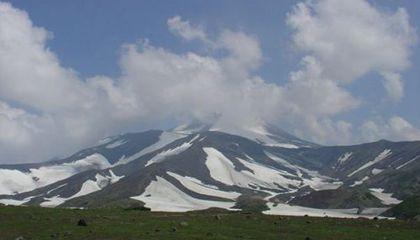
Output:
x=198 y=167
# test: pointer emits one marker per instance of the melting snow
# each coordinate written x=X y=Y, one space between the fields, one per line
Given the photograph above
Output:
x=256 y=133
x=266 y=177
x=162 y=195
x=15 y=202
x=376 y=171
x=116 y=144
x=386 y=153
x=283 y=145
x=408 y=162
x=62 y=185
x=53 y=201
x=343 y=158
x=15 y=181
x=171 y=152
x=88 y=187
x=386 y=198
x=285 y=209
x=316 y=180
x=197 y=186
x=164 y=139
x=356 y=183
x=222 y=170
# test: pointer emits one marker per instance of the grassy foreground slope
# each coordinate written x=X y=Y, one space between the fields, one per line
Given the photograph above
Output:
x=41 y=223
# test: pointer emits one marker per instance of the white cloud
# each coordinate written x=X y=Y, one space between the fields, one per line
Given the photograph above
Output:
x=32 y=68
x=312 y=94
x=393 y=85
x=14 y=125
x=185 y=29
x=343 y=41
x=58 y=112
x=67 y=112
x=353 y=38
x=396 y=128
x=47 y=109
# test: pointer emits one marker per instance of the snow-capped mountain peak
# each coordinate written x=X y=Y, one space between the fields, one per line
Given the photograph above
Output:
x=261 y=132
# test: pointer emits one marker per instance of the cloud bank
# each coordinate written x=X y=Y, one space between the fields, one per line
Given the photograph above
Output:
x=46 y=109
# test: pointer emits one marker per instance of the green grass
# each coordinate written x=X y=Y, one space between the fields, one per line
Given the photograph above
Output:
x=41 y=223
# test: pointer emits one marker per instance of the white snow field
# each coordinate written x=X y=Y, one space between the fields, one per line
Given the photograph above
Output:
x=316 y=180
x=15 y=181
x=165 y=138
x=386 y=198
x=288 y=210
x=197 y=186
x=15 y=202
x=408 y=162
x=359 y=182
x=162 y=195
x=342 y=159
x=171 y=152
x=257 y=133
x=88 y=187
x=116 y=144
x=345 y=157
x=386 y=153
x=222 y=170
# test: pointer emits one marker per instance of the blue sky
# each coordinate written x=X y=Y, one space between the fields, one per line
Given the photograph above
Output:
x=88 y=37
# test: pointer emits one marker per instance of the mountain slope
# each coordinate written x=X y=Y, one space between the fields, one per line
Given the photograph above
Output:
x=194 y=167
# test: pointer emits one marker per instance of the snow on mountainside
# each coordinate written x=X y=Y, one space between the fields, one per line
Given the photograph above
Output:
x=15 y=181
x=263 y=133
x=198 y=166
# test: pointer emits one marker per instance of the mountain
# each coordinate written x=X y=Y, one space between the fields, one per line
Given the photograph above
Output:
x=199 y=166
x=409 y=209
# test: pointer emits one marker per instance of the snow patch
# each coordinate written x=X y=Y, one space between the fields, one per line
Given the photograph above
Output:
x=376 y=171
x=15 y=202
x=171 y=152
x=266 y=177
x=386 y=198
x=357 y=183
x=197 y=186
x=386 y=153
x=164 y=139
x=285 y=209
x=316 y=180
x=260 y=177
x=408 y=162
x=88 y=187
x=15 y=181
x=342 y=159
x=62 y=185
x=116 y=144
x=282 y=145
x=162 y=195
x=257 y=133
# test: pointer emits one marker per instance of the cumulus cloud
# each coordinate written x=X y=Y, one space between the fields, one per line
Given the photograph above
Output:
x=353 y=38
x=313 y=99
x=342 y=41
x=396 y=128
x=46 y=109
x=51 y=102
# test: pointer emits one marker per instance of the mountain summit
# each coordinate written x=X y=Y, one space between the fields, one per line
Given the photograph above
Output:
x=263 y=133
